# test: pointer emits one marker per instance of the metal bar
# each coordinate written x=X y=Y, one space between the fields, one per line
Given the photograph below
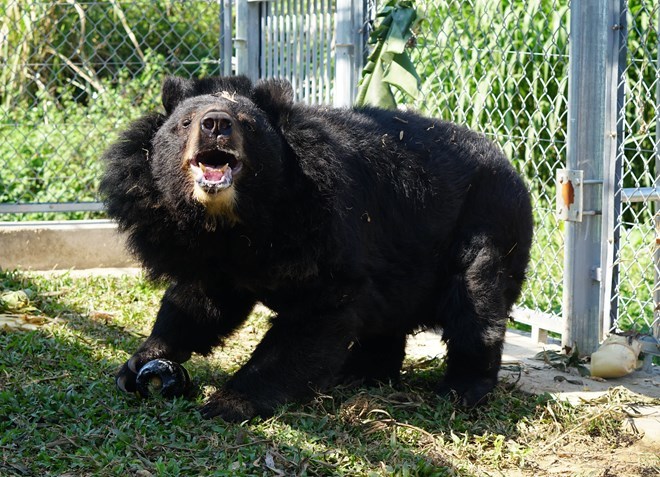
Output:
x=358 y=48
x=655 y=326
x=247 y=38
x=318 y=52
x=254 y=39
x=329 y=67
x=295 y=51
x=281 y=60
x=300 y=54
x=343 y=54
x=287 y=41
x=311 y=39
x=241 y=39
x=545 y=321
x=263 y=40
x=640 y=194
x=268 y=51
x=52 y=207
x=591 y=32
x=227 y=37
x=612 y=170
x=276 y=39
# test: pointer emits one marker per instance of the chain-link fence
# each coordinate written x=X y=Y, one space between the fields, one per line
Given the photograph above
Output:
x=502 y=68
x=634 y=305
x=74 y=72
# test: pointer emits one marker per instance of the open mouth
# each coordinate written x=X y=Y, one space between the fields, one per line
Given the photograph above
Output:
x=214 y=170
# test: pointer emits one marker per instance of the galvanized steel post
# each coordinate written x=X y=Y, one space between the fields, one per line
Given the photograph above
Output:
x=226 y=37
x=247 y=40
x=590 y=138
x=656 y=218
x=344 y=51
x=613 y=166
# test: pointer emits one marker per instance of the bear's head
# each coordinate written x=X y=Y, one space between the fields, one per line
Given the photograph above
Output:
x=219 y=144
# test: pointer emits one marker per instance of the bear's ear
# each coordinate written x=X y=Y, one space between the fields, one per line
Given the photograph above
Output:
x=175 y=90
x=274 y=96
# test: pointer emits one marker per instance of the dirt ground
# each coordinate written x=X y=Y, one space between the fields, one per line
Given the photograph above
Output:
x=636 y=397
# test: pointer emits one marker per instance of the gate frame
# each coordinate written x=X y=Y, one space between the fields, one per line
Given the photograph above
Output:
x=349 y=44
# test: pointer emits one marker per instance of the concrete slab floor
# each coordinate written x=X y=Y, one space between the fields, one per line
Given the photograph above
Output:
x=536 y=377
x=77 y=244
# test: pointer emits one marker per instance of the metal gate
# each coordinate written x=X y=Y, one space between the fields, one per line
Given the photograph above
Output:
x=611 y=267
x=315 y=44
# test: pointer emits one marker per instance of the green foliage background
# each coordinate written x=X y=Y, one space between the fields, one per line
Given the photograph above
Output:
x=73 y=73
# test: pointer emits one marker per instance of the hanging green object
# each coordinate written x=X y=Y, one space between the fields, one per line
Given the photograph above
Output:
x=389 y=65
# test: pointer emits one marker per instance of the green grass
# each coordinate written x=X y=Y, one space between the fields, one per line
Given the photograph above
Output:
x=60 y=413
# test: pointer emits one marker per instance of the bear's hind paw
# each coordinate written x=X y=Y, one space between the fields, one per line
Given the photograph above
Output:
x=467 y=392
x=229 y=406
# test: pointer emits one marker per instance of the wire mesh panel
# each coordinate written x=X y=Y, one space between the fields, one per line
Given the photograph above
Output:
x=638 y=157
x=72 y=73
x=502 y=68
x=297 y=44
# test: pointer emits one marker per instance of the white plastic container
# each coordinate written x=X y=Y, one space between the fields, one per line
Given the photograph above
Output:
x=616 y=357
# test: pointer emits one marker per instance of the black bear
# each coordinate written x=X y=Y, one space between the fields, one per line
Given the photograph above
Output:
x=356 y=226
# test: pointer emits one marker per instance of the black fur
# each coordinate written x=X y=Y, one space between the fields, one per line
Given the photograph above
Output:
x=356 y=226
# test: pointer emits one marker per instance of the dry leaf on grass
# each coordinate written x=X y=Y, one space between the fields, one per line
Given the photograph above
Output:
x=21 y=322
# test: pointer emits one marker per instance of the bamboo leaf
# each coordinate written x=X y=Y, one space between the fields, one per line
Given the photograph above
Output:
x=401 y=74
x=375 y=91
x=389 y=65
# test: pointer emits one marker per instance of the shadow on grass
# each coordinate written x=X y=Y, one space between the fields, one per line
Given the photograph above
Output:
x=60 y=412
x=406 y=429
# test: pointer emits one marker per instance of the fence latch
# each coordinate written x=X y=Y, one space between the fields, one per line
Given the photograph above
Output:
x=569 y=194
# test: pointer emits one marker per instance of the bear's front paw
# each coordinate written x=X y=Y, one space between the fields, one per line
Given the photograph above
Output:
x=150 y=350
x=469 y=392
x=230 y=406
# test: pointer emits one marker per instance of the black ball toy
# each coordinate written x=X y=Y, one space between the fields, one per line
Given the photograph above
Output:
x=163 y=377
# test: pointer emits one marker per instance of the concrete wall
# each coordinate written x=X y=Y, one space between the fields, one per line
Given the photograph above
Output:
x=62 y=245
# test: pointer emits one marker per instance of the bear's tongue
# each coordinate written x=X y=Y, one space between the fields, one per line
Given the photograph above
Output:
x=215 y=174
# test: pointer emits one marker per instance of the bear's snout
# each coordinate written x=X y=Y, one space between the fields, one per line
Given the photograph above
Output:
x=216 y=124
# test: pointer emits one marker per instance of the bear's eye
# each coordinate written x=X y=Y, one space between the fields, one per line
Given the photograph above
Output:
x=186 y=122
x=247 y=121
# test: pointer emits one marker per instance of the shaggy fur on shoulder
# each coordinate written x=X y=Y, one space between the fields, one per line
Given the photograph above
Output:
x=356 y=226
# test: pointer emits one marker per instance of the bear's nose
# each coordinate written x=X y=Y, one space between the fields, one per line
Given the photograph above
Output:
x=216 y=123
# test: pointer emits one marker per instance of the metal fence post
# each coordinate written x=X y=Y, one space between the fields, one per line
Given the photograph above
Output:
x=226 y=37
x=589 y=137
x=360 y=36
x=613 y=166
x=656 y=219
x=344 y=51
x=247 y=40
